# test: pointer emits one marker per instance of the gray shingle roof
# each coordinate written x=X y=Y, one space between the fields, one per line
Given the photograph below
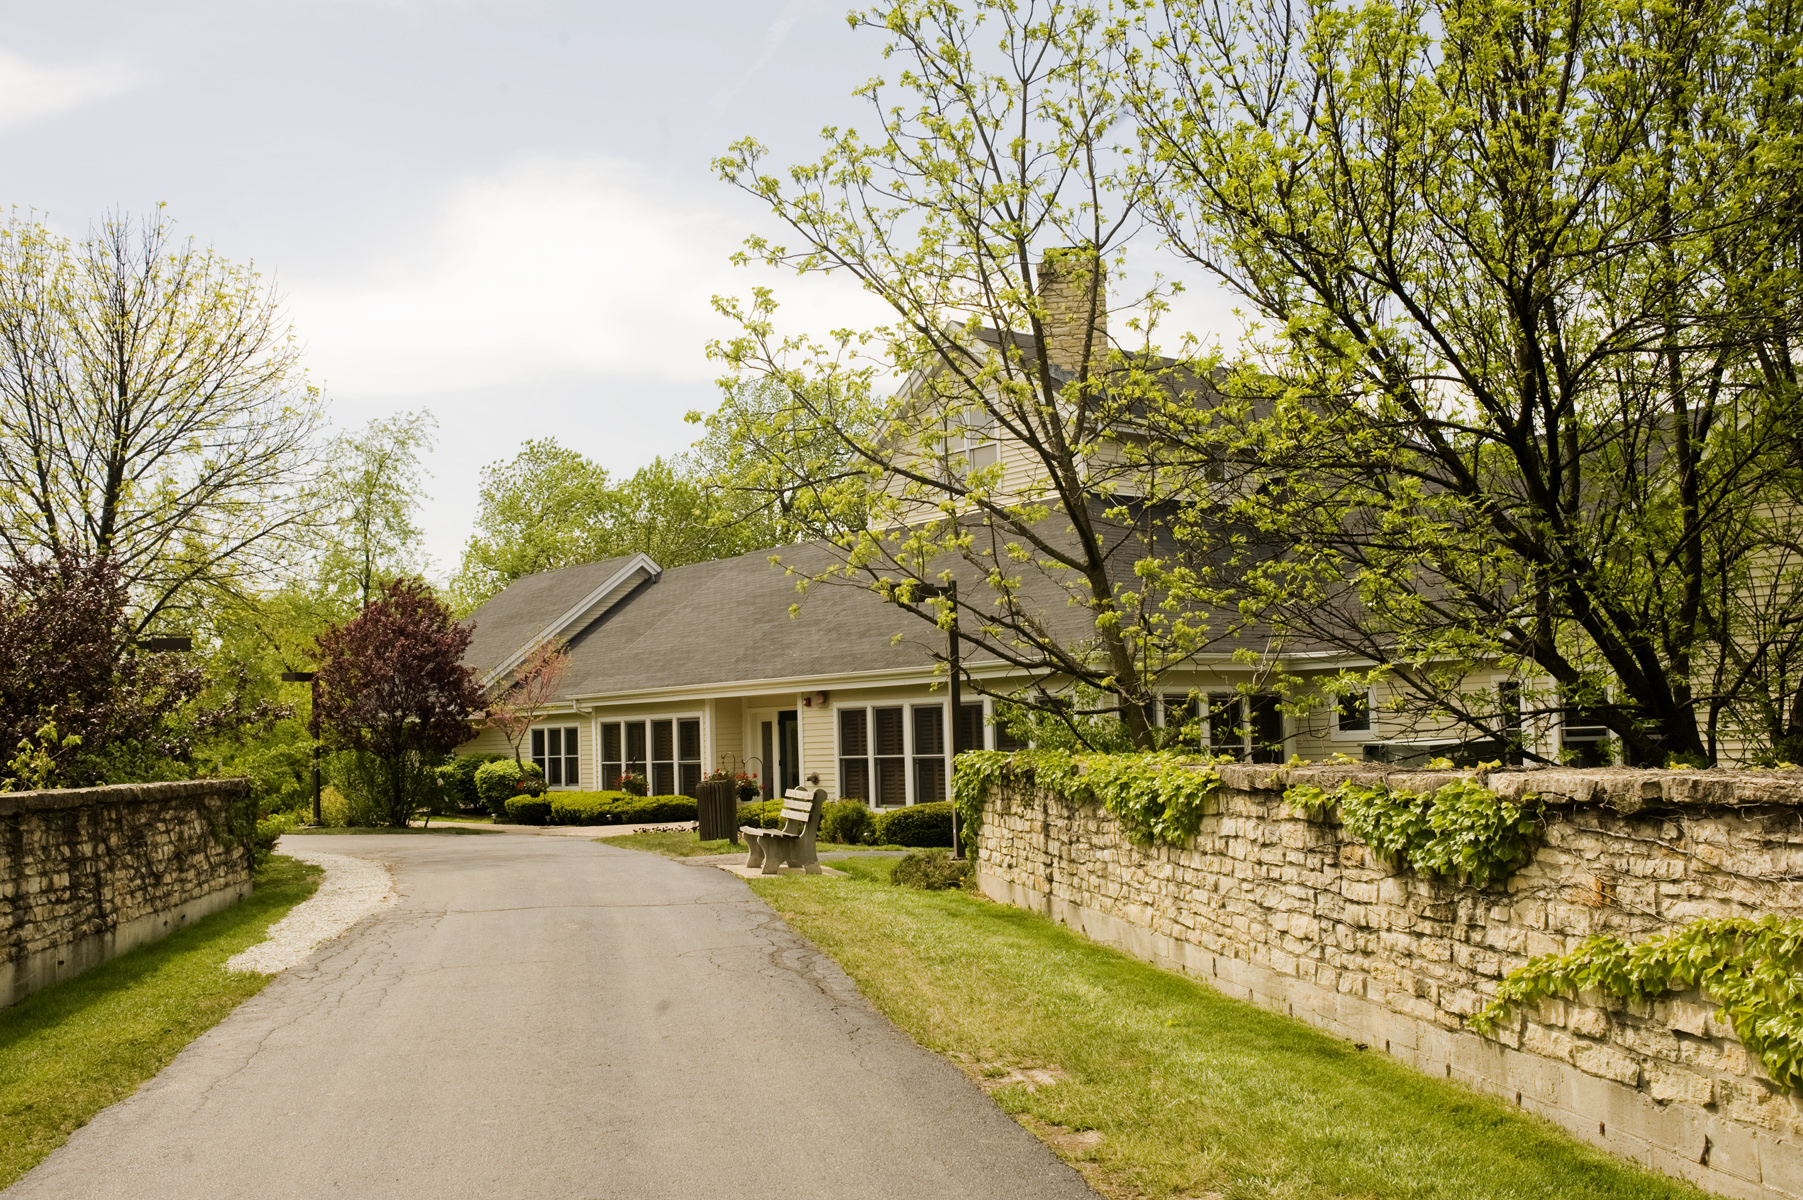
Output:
x=706 y=623
x=728 y=621
x=521 y=611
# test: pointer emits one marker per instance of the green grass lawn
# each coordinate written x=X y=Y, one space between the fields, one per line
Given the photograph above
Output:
x=70 y=1050
x=1191 y=1093
x=688 y=844
x=681 y=843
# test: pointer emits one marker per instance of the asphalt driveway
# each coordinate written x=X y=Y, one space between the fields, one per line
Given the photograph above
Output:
x=549 y=1017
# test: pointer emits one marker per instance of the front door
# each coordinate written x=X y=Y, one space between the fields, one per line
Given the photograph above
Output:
x=788 y=754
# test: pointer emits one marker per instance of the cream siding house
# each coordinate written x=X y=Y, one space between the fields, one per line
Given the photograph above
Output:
x=681 y=672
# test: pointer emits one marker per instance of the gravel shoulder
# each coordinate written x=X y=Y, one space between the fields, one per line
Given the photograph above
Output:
x=353 y=889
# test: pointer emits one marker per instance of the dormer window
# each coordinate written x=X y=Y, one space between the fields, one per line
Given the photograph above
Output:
x=971 y=444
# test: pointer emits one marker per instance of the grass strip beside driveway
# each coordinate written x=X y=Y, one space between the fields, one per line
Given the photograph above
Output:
x=1190 y=1092
x=70 y=1050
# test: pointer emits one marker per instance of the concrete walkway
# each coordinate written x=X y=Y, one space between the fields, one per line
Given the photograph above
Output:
x=551 y=1017
x=582 y=831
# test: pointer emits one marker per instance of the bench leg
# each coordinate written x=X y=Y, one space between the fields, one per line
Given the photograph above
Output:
x=775 y=856
x=755 y=845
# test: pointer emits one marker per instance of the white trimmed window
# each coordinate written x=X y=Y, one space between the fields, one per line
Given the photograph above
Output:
x=893 y=754
x=554 y=750
x=970 y=443
x=665 y=750
x=1352 y=715
x=1227 y=727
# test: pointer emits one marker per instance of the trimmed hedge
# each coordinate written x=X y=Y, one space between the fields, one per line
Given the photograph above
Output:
x=618 y=808
x=528 y=810
x=916 y=825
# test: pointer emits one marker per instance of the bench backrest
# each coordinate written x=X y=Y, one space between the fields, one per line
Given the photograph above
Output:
x=801 y=807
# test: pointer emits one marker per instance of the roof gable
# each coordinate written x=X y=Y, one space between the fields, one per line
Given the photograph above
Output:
x=552 y=604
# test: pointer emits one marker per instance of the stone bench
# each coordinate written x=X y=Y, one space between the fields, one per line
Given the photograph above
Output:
x=793 y=844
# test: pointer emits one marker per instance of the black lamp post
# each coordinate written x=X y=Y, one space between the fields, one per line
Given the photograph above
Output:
x=311 y=677
x=950 y=593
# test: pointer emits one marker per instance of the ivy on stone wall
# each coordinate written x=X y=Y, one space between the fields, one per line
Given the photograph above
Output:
x=1156 y=797
x=1460 y=829
x=1752 y=968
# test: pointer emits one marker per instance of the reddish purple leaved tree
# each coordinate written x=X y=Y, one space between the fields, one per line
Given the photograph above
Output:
x=69 y=662
x=392 y=685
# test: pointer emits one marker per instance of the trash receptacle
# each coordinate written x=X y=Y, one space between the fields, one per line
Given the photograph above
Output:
x=717 y=809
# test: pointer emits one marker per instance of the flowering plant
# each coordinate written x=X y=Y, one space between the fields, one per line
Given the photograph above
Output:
x=632 y=782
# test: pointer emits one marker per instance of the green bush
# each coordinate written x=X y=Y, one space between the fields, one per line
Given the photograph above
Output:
x=847 y=822
x=528 y=810
x=762 y=814
x=916 y=825
x=499 y=781
x=337 y=810
x=934 y=870
x=268 y=830
x=367 y=781
x=458 y=778
x=618 y=808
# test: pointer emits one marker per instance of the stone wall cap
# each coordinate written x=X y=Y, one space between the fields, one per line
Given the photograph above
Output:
x=119 y=793
x=1624 y=789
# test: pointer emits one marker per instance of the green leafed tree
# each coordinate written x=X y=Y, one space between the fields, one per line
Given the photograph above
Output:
x=1528 y=287
x=372 y=484
x=981 y=205
x=545 y=508
x=550 y=507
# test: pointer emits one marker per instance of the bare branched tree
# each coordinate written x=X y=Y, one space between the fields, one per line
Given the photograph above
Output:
x=152 y=412
x=524 y=699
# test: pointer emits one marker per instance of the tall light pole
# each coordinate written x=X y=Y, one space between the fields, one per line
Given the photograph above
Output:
x=949 y=593
x=310 y=677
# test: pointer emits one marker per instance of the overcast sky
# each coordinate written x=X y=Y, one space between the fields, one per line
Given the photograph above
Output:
x=498 y=210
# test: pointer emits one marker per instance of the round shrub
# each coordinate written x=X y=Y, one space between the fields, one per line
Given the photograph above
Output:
x=847 y=823
x=528 y=810
x=334 y=809
x=933 y=870
x=916 y=825
x=499 y=781
x=458 y=778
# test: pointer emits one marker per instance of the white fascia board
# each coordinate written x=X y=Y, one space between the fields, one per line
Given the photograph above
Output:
x=583 y=612
x=733 y=689
x=1325 y=658
x=836 y=681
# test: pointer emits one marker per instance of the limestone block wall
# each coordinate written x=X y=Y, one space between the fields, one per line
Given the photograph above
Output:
x=1293 y=914
x=89 y=873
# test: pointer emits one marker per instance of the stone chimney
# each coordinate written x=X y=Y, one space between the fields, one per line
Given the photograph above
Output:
x=1073 y=283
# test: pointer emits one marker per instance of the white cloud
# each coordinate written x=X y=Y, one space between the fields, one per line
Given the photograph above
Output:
x=31 y=91
x=548 y=267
